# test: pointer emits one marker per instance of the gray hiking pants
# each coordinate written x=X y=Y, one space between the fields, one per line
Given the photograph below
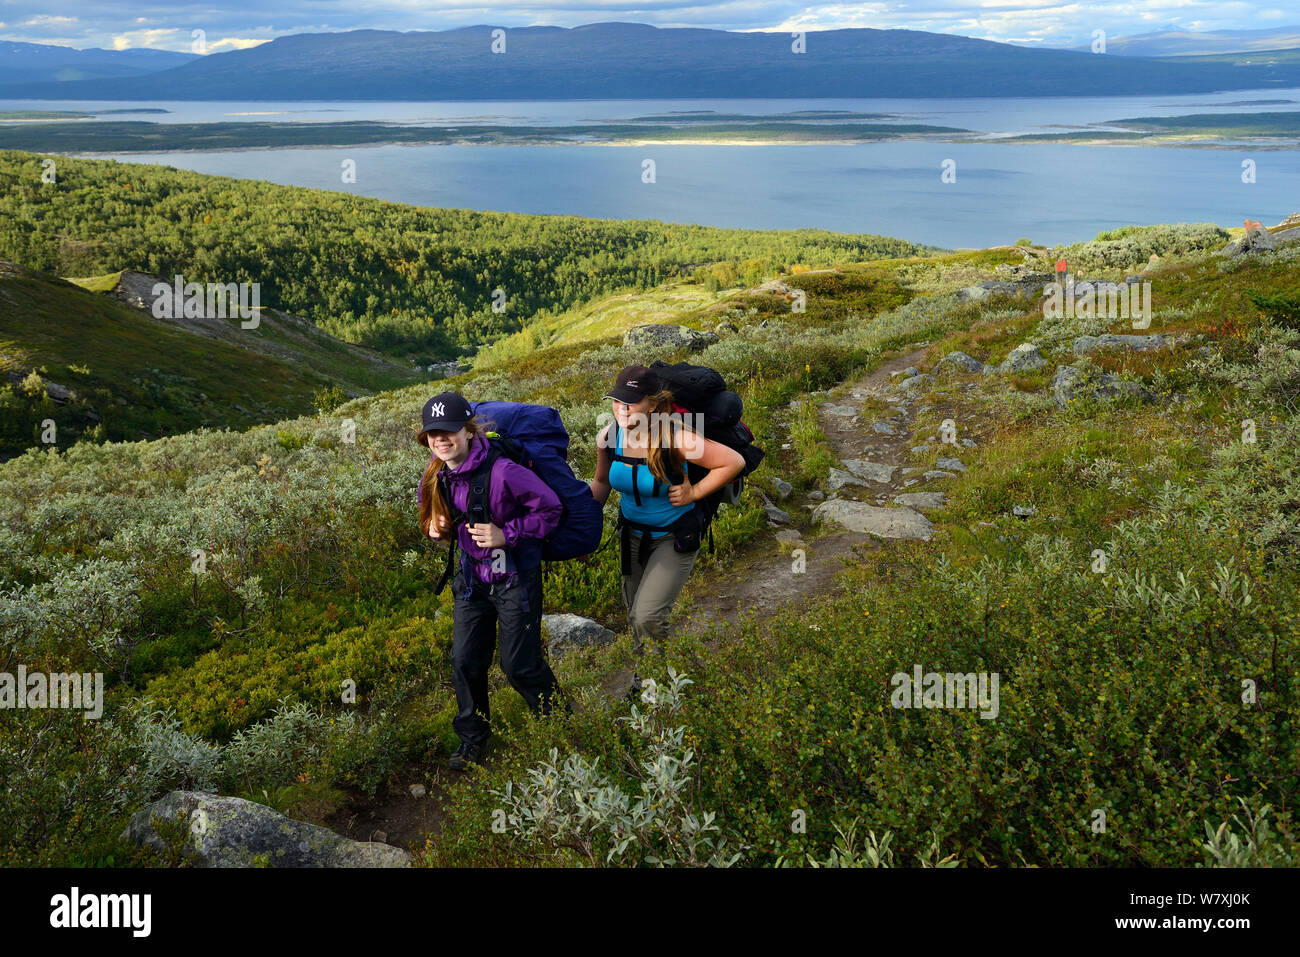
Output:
x=650 y=592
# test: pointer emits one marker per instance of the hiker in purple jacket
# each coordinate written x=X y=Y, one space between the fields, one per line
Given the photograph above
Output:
x=499 y=532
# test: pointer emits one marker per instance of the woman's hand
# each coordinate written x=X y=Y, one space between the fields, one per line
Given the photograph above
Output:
x=683 y=494
x=443 y=527
x=487 y=535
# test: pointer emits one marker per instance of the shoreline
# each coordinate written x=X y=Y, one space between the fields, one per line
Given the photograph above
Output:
x=1160 y=142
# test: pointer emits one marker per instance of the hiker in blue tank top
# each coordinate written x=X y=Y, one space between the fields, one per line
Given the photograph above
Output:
x=500 y=580
x=643 y=456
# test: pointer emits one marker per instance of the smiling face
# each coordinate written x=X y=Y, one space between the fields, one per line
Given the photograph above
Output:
x=631 y=415
x=451 y=447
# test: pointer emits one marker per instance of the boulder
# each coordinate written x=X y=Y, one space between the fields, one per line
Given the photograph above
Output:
x=958 y=362
x=1257 y=239
x=231 y=832
x=839 y=478
x=883 y=428
x=920 y=499
x=1086 y=344
x=951 y=463
x=566 y=632
x=776 y=515
x=666 y=334
x=871 y=471
x=1023 y=358
x=782 y=488
x=1070 y=384
x=914 y=382
x=874 y=520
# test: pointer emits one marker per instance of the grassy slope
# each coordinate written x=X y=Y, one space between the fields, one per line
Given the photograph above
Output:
x=1108 y=701
x=144 y=377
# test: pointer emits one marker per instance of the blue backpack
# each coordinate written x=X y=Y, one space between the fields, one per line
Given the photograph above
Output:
x=533 y=436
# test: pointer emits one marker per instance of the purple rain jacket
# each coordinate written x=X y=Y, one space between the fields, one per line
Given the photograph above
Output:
x=522 y=505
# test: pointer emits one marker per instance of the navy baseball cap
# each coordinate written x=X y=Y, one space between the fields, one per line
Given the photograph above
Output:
x=634 y=383
x=446 y=412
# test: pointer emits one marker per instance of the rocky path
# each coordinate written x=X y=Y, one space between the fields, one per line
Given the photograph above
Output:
x=868 y=423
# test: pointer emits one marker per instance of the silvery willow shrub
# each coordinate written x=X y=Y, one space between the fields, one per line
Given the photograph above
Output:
x=1134 y=245
x=573 y=807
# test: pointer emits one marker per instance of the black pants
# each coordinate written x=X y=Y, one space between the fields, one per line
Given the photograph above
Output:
x=516 y=608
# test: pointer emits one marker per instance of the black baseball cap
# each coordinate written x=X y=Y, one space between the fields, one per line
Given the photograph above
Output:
x=633 y=384
x=446 y=412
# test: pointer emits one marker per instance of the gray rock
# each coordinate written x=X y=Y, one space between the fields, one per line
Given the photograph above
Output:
x=791 y=537
x=938 y=474
x=231 y=832
x=896 y=523
x=1023 y=511
x=1070 y=384
x=989 y=369
x=921 y=499
x=958 y=362
x=951 y=463
x=871 y=471
x=666 y=334
x=726 y=327
x=566 y=632
x=968 y=443
x=1257 y=239
x=914 y=382
x=883 y=428
x=1286 y=236
x=815 y=496
x=776 y=515
x=782 y=488
x=838 y=478
x=1086 y=344
x=794 y=404
x=840 y=409
x=918 y=449
x=1023 y=358
x=972 y=294
x=417 y=791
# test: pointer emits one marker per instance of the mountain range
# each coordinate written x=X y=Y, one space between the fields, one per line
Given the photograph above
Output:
x=631 y=60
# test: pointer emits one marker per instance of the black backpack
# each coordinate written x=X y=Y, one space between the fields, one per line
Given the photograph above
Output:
x=701 y=390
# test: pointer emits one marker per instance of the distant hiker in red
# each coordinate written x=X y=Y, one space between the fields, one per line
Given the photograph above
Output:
x=502 y=511
x=642 y=455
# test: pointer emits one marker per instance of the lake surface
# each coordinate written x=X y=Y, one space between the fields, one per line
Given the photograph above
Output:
x=1050 y=193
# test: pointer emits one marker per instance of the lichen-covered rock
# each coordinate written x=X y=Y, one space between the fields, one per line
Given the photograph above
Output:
x=231 y=832
x=958 y=362
x=666 y=334
x=566 y=632
x=875 y=520
x=1023 y=358
x=1086 y=344
x=1070 y=384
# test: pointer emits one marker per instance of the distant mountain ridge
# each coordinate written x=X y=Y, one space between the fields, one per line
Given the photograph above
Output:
x=1166 y=43
x=43 y=63
x=632 y=60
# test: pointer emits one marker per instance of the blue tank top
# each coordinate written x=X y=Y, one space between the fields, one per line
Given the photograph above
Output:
x=653 y=507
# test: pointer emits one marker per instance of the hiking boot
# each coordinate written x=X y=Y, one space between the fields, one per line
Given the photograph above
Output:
x=465 y=755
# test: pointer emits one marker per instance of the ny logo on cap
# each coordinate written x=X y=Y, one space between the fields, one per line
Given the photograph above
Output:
x=632 y=383
x=438 y=409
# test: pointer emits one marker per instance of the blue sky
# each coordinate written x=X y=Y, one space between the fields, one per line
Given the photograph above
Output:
x=231 y=24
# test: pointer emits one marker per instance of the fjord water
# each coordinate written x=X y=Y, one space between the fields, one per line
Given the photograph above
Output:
x=1051 y=193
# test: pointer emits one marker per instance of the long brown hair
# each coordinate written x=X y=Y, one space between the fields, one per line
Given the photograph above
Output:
x=431 y=500
x=661 y=454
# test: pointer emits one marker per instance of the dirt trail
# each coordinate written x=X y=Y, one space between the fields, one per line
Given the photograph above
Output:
x=760 y=580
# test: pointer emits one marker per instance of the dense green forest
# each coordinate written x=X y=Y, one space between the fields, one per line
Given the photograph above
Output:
x=399 y=279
